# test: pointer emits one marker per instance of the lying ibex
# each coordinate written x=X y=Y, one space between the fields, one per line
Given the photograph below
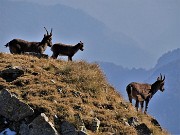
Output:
x=19 y=46
x=144 y=92
x=66 y=50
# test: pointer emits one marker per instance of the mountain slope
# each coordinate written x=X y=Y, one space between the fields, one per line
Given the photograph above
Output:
x=120 y=77
x=63 y=89
x=163 y=106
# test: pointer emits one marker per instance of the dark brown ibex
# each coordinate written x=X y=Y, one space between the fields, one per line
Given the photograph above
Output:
x=66 y=50
x=19 y=46
x=144 y=92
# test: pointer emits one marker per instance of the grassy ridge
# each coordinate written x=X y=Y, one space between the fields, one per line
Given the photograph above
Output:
x=62 y=89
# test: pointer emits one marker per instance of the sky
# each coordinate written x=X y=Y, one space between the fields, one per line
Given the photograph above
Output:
x=153 y=24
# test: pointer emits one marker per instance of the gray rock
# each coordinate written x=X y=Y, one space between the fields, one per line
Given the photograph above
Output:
x=95 y=125
x=3 y=123
x=133 y=121
x=24 y=129
x=12 y=108
x=79 y=123
x=142 y=129
x=68 y=129
x=39 y=126
x=155 y=123
x=12 y=73
x=82 y=133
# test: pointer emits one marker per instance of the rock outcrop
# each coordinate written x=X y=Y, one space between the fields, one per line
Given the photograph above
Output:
x=12 y=108
x=14 y=113
x=11 y=73
x=39 y=126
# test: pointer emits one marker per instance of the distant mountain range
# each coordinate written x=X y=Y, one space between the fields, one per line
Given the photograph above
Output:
x=164 y=106
x=26 y=21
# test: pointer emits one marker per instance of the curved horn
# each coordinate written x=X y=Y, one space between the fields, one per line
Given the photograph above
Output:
x=46 y=30
x=51 y=31
x=160 y=76
x=164 y=78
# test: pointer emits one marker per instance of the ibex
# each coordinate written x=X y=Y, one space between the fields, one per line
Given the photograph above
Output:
x=19 y=46
x=66 y=50
x=144 y=92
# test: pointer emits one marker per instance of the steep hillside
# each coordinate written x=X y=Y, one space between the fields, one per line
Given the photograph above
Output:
x=120 y=77
x=63 y=89
x=163 y=105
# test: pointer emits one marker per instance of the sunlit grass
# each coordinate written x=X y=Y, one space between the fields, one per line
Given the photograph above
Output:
x=64 y=88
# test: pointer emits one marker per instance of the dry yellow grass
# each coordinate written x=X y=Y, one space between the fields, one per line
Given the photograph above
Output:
x=64 y=88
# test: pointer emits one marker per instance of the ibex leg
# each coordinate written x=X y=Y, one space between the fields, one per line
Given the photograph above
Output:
x=129 y=89
x=137 y=104
x=54 y=55
x=147 y=102
x=142 y=105
x=69 y=58
x=130 y=98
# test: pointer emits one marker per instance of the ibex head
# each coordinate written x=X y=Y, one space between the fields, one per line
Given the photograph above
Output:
x=48 y=37
x=160 y=83
x=81 y=45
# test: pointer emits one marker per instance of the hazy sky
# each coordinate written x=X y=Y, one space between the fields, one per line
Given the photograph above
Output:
x=153 y=24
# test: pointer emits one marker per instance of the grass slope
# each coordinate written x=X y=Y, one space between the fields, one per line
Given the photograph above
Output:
x=63 y=89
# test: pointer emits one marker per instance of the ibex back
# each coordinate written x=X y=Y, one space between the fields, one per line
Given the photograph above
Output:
x=19 y=46
x=66 y=50
x=144 y=92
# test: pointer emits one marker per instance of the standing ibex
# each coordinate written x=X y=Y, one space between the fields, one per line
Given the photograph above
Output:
x=144 y=92
x=67 y=50
x=19 y=46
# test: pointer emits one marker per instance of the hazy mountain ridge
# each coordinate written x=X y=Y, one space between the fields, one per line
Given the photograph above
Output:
x=26 y=20
x=168 y=57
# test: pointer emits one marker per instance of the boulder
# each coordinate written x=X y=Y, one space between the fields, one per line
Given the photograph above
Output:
x=12 y=73
x=142 y=129
x=95 y=125
x=12 y=108
x=79 y=123
x=2 y=87
x=133 y=121
x=68 y=129
x=82 y=133
x=155 y=123
x=39 y=126
x=3 y=123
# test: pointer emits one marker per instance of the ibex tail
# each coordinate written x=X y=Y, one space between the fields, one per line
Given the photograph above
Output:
x=6 y=45
x=129 y=91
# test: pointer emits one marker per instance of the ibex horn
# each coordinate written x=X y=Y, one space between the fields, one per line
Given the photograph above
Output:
x=46 y=30
x=160 y=76
x=164 y=78
x=51 y=31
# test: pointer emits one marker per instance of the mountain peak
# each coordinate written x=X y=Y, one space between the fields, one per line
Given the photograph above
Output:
x=168 y=57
